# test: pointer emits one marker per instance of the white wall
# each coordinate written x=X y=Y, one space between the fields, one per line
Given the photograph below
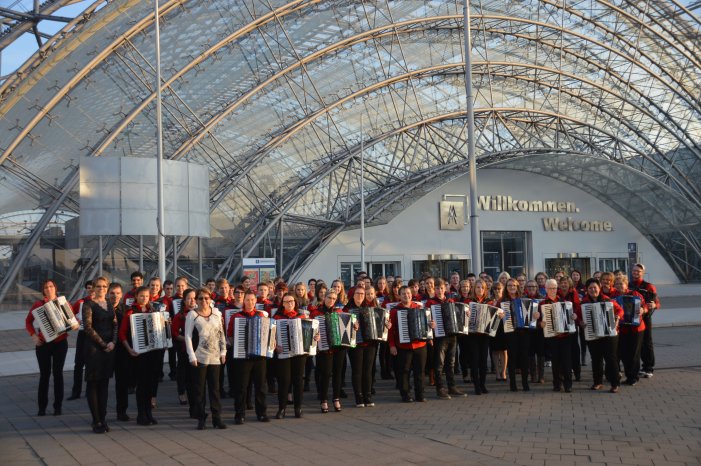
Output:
x=415 y=233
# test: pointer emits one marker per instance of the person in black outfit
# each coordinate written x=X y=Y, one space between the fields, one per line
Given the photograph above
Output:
x=100 y=326
x=50 y=355
x=251 y=367
x=330 y=363
x=78 y=360
x=649 y=294
x=123 y=369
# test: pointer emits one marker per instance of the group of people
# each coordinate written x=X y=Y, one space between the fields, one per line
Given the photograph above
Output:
x=201 y=360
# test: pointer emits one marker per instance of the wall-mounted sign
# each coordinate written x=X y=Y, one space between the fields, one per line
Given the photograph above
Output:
x=259 y=269
x=452 y=215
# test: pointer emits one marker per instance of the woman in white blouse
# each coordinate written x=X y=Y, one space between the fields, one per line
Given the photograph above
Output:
x=206 y=351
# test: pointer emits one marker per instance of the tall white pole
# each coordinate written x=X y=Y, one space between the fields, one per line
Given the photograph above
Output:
x=475 y=240
x=159 y=137
x=362 y=195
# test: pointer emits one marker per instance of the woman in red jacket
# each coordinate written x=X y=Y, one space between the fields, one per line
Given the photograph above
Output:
x=479 y=342
x=517 y=342
x=50 y=356
x=631 y=337
x=330 y=363
x=567 y=292
x=289 y=371
x=362 y=358
x=560 y=346
x=410 y=356
x=603 y=349
x=146 y=365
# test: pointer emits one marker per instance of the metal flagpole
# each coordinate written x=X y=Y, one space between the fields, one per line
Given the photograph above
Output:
x=362 y=195
x=474 y=218
x=159 y=136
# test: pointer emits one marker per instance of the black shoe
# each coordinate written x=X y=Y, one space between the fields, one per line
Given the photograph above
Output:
x=218 y=425
x=200 y=423
x=152 y=421
x=143 y=421
x=483 y=389
x=568 y=389
x=239 y=420
x=249 y=405
x=443 y=394
x=98 y=428
x=124 y=417
x=513 y=387
x=42 y=412
x=298 y=412
x=73 y=397
x=407 y=399
x=421 y=399
x=57 y=411
x=478 y=391
x=526 y=387
x=557 y=389
x=280 y=414
x=263 y=418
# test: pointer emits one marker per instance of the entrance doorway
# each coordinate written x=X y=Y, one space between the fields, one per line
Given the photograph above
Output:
x=567 y=264
x=440 y=267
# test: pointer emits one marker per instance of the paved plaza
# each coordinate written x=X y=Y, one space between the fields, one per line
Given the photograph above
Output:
x=656 y=422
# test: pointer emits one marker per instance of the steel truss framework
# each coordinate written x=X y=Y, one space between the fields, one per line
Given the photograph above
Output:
x=269 y=94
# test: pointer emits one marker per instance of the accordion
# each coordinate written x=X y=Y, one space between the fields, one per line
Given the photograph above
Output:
x=336 y=329
x=413 y=324
x=372 y=322
x=150 y=331
x=450 y=319
x=600 y=320
x=517 y=314
x=254 y=337
x=296 y=337
x=483 y=319
x=631 y=309
x=54 y=318
x=177 y=306
x=558 y=318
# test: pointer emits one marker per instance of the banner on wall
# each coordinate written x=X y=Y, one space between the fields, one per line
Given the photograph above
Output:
x=259 y=270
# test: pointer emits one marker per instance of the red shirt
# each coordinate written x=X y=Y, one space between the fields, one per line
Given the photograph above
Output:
x=242 y=315
x=393 y=336
x=177 y=327
x=29 y=323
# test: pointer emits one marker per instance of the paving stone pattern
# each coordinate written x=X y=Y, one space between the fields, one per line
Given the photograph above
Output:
x=657 y=422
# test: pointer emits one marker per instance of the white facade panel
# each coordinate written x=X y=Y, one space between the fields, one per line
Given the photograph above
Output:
x=415 y=234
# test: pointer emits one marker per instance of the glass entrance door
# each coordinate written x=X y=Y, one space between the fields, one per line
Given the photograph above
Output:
x=567 y=264
x=505 y=251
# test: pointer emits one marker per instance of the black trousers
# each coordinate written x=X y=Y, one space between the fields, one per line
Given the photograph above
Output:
x=464 y=359
x=330 y=366
x=123 y=378
x=290 y=372
x=246 y=370
x=630 y=346
x=230 y=369
x=537 y=355
x=444 y=360
x=582 y=344
x=206 y=380
x=78 y=364
x=96 y=394
x=605 y=350
x=385 y=361
x=647 y=351
x=172 y=362
x=147 y=372
x=479 y=352
x=576 y=362
x=561 y=357
x=51 y=357
x=411 y=360
x=362 y=359
x=518 y=347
